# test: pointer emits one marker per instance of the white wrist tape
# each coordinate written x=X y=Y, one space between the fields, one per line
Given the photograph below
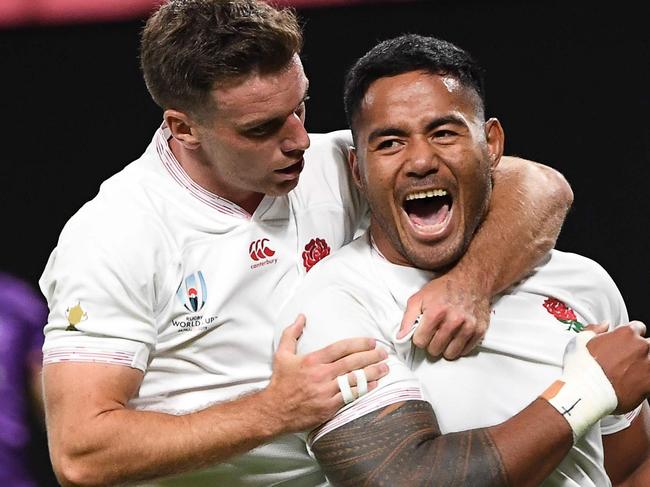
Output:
x=583 y=395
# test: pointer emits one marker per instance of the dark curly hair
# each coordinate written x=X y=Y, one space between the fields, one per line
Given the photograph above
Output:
x=410 y=52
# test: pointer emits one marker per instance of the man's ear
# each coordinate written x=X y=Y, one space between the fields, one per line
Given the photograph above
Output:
x=495 y=140
x=183 y=128
x=353 y=162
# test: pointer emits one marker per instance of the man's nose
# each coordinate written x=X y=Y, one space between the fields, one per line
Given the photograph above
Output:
x=422 y=158
x=295 y=137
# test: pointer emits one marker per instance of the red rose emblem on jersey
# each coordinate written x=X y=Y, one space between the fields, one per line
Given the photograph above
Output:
x=315 y=250
x=563 y=313
x=558 y=309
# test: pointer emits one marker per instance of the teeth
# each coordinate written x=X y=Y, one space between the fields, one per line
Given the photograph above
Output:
x=426 y=194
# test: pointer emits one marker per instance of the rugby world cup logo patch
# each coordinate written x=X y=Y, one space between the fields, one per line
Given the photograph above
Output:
x=193 y=292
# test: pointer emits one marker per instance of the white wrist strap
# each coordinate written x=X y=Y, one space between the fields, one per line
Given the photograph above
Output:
x=583 y=395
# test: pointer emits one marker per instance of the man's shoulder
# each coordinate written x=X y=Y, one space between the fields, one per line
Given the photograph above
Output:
x=338 y=138
x=348 y=266
x=123 y=217
x=569 y=267
x=326 y=178
x=581 y=282
x=347 y=272
x=119 y=203
x=328 y=151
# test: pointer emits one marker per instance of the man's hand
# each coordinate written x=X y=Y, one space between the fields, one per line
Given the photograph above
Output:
x=303 y=391
x=453 y=318
x=528 y=205
x=623 y=355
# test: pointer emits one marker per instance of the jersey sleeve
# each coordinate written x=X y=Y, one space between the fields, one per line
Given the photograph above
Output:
x=329 y=171
x=335 y=314
x=99 y=284
x=610 y=308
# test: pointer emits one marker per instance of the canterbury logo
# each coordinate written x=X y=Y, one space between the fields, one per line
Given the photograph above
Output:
x=259 y=251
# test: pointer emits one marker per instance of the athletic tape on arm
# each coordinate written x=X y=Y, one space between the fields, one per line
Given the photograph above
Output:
x=583 y=395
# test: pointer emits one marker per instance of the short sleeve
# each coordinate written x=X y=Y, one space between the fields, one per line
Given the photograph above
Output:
x=99 y=286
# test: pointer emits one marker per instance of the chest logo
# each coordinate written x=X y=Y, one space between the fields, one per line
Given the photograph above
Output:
x=193 y=292
x=261 y=253
x=316 y=250
x=259 y=250
x=563 y=313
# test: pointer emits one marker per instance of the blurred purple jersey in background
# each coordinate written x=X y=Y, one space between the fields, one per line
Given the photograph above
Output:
x=22 y=315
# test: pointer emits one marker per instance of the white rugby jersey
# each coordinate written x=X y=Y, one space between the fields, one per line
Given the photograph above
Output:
x=359 y=293
x=159 y=274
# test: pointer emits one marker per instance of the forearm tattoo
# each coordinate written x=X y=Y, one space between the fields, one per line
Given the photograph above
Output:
x=401 y=445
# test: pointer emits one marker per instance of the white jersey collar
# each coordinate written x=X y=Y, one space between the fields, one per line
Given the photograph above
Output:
x=178 y=174
x=401 y=280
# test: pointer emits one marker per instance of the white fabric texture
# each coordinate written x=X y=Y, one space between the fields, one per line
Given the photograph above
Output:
x=359 y=293
x=186 y=286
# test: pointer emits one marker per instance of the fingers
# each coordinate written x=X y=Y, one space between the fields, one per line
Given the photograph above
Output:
x=291 y=334
x=472 y=344
x=355 y=393
x=358 y=360
x=445 y=333
x=450 y=330
x=597 y=328
x=440 y=342
x=429 y=324
x=458 y=344
x=369 y=377
x=413 y=311
x=373 y=373
x=343 y=348
x=638 y=327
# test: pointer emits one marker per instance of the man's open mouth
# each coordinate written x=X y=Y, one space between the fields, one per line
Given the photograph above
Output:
x=297 y=167
x=428 y=208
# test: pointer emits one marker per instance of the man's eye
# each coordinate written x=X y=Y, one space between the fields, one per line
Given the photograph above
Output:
x=441 y=134
x=263 y=130
x=387 y=144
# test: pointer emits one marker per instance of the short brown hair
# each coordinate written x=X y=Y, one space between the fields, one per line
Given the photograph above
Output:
x=189 y=45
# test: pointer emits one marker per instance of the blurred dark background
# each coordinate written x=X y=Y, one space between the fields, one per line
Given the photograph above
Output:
x=568 y=80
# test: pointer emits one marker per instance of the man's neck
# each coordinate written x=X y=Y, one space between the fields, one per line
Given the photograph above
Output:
x=385 y=248
x=203 y=175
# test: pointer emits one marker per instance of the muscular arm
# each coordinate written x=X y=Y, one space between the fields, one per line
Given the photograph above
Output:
x=96 y=439
x=527 y=209
x=528 y=206
x=627 y=453
x=92 y=431
x=402 y=445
